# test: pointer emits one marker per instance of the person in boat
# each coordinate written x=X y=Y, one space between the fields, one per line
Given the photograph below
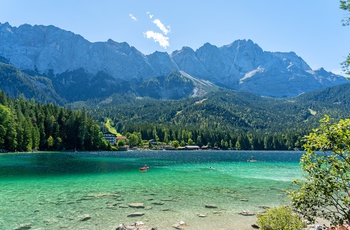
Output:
x=145 y=167
x=251 y=159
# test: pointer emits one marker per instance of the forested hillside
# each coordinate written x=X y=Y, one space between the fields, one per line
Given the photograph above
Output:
x=26 y=126
x=15 y=82
x=225 y=119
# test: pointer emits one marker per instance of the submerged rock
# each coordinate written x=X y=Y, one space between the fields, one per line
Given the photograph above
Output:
x=121 y=227
x=136 y=214
x=158 y=203
x=180 y=225
x=24 y=226
x=211 y=206
x=139 y=225
x=247 y=213
x=85 y=217
x=136 y=205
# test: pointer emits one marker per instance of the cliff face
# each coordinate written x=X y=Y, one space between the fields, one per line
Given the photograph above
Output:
x=46 y=48
x=242 y=65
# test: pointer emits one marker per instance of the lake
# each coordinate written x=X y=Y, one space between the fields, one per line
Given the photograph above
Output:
x=57 y=190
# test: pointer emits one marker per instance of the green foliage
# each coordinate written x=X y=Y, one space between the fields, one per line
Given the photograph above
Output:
x=50 y=142
x=109 y=127
x=175 y=144
x=345 y=5
x=121 y=143
x=326 y=163
x=26 y=126
x=346 y=65
x=281 y=218
x=134 y=139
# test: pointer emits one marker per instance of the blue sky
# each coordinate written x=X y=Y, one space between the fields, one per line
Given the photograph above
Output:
x=311 y=28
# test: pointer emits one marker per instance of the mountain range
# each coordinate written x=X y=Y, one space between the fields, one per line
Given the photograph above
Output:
x=64 y=67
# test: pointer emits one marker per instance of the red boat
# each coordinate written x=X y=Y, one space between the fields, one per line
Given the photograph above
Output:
x=144 y=168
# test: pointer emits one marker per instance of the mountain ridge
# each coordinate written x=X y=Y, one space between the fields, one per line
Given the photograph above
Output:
x=242 y=65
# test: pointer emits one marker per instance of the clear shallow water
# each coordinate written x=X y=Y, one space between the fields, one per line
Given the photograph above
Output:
x=54 y=190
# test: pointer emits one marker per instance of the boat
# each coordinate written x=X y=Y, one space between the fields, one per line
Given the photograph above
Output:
x=251 y=159
x=144 y=168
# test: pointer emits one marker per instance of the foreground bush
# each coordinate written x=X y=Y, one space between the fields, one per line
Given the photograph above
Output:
x=281 y=218
x=325 y=191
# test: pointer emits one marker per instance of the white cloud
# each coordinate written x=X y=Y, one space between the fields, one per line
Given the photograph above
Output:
x=150 y=15
x=132 y=17
x=158 y=37
x=160 y=25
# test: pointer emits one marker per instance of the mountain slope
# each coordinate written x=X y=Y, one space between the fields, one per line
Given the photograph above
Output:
x=336 y=95
x=241 y=65
x=14 y=82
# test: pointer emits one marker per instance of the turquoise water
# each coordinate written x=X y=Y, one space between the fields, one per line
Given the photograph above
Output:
x=55 y=190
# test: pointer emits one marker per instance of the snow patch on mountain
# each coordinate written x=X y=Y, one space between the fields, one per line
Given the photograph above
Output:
x=251 y=74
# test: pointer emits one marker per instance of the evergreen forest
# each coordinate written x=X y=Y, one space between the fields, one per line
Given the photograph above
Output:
x=27 y=126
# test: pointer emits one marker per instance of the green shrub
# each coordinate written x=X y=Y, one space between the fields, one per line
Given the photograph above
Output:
x=281 y=218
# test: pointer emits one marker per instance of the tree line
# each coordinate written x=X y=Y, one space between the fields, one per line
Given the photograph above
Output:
x=26 y=126
x=220 y=138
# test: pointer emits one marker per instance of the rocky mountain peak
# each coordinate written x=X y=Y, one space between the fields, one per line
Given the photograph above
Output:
x=184 y=51
x=162 y=63
x=241 y=65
